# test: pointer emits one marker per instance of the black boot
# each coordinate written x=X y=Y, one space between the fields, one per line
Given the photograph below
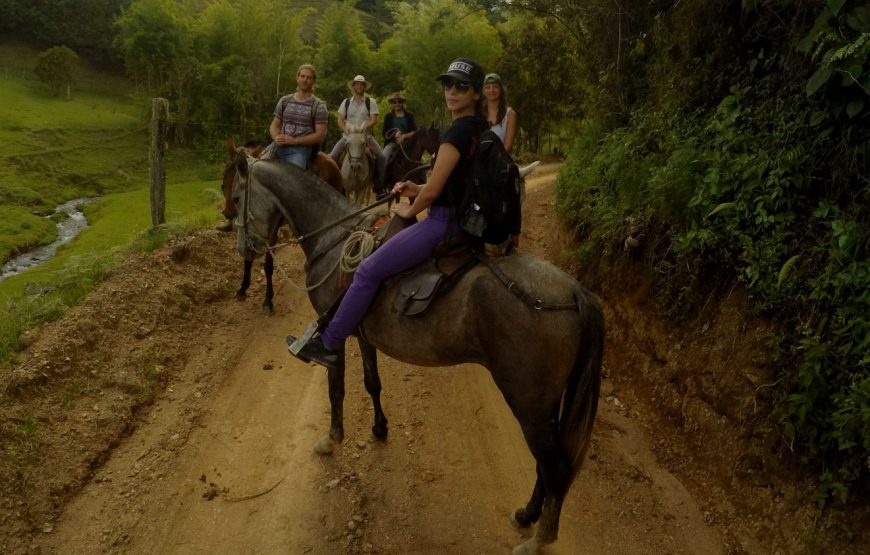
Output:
x=225 y=227
x=315 y=351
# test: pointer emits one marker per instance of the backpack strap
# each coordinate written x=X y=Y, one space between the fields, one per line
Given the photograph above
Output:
x=368 y=105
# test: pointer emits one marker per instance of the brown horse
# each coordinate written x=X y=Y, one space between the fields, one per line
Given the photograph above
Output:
x=322 y=166
x=541 y=339
x=407 y=162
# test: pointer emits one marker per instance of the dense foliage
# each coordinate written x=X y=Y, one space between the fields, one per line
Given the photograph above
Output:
x=736 y=144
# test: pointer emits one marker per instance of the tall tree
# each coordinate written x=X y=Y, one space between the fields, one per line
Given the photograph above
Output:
x=343 y=50
x=545 y=96
x=154 y=39
x=428 y=36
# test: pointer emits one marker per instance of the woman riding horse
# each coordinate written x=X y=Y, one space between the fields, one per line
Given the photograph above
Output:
x=462 y=84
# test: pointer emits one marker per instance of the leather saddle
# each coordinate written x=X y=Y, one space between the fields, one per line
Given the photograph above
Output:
x=416 y=289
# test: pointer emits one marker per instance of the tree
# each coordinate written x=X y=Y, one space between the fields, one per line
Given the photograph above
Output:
x=57 y=67
x=546 y=97
x=154 y=40
x=343 y=50
x=428 y=36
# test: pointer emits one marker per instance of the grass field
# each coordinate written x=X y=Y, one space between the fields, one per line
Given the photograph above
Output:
x=94 y=144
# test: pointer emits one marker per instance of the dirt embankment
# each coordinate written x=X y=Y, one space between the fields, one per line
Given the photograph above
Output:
x=162 y=416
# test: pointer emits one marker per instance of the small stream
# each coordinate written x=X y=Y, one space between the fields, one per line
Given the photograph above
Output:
x=67 y=229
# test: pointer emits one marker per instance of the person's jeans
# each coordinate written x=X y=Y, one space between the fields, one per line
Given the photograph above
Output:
x=296 y=155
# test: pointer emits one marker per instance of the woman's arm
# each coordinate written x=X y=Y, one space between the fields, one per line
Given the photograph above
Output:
x=445 y=161
x=510 y=130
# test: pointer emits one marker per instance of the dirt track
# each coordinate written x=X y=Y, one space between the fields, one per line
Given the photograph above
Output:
x=222 y=462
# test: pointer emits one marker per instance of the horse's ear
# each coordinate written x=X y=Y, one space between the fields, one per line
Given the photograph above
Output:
x=241 y=161
x=231 y=146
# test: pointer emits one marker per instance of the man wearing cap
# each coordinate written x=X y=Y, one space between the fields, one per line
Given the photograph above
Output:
x=399 y=126
x=360 y=110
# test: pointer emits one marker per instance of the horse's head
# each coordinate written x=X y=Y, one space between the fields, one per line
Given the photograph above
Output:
x=228 y=179
x=429 y=138
x=356 y=147
x=257 y=212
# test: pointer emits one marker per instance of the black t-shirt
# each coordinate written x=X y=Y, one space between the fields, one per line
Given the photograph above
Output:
x=460 y=134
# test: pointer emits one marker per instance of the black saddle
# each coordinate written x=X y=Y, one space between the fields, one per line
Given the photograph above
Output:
x=417 y=288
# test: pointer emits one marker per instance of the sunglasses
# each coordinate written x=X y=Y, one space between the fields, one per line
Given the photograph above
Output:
x=450 y=83
x=397 y=101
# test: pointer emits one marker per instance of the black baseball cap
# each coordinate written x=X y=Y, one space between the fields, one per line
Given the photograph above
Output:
x=465 y=70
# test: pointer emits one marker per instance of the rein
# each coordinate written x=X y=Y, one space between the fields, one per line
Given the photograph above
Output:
x=421 y=166
x=358 y=244
x=390 y=197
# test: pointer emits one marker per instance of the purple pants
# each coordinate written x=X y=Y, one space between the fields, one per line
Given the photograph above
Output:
x=406 y=249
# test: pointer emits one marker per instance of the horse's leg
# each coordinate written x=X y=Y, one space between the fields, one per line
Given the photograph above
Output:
x=268 y=268
x=528 y=515
x=336 y=403
x=373 y=386
x=242 y=293
x=554 y=478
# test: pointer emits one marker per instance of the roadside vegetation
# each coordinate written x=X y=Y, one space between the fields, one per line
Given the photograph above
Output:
x=726 y=142
x=715 y=142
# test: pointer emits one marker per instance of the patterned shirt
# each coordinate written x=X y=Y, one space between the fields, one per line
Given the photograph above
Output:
x=296 y=115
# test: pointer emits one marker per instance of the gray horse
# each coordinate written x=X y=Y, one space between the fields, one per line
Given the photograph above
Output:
x=544 y=355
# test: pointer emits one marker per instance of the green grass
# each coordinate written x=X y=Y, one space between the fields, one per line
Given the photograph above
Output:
x=94 y=145
x=20 y=229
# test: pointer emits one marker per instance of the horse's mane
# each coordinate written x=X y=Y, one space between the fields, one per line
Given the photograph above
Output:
x=312 y=183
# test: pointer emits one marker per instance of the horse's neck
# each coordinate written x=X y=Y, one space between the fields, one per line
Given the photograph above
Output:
x=308 y=203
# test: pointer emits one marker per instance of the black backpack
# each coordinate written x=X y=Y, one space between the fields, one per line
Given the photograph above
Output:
x=490 y=209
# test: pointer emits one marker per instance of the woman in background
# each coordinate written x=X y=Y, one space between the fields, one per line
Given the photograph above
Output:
x=502 y=118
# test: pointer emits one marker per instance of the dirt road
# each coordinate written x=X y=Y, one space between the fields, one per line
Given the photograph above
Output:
x=222 y=462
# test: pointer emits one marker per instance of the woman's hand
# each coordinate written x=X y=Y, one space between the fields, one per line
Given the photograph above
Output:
x=407 y=189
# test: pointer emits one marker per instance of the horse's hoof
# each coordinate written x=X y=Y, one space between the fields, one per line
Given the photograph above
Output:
x=528 y=547
x=325 y=446
x=518 y=521
x=241 y=297
x=379 y=432
x=266 y=309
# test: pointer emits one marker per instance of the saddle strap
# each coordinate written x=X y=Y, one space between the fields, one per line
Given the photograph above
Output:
x=513 y=287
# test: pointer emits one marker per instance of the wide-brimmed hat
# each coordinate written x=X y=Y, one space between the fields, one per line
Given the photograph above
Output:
x=396 y=96
x=358 y=79
x=465 y=70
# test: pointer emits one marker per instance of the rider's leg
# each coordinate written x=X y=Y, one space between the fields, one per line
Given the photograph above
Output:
x=389 y=152
x=407 y=248
x=382 y=164
x=338 y=149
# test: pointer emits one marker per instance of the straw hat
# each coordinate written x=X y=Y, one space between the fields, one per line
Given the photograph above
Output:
x=396 y=96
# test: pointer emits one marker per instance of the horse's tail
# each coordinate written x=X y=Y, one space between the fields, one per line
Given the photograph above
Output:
x=580 y=400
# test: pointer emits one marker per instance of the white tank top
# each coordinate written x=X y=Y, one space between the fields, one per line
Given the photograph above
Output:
x=500 y=128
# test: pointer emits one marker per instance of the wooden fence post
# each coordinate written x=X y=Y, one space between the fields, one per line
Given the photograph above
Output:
x=159 y=126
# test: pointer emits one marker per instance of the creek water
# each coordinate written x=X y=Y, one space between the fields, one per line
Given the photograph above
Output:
x=69 y=226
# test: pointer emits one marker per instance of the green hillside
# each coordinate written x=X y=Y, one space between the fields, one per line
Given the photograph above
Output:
x=94 y=144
